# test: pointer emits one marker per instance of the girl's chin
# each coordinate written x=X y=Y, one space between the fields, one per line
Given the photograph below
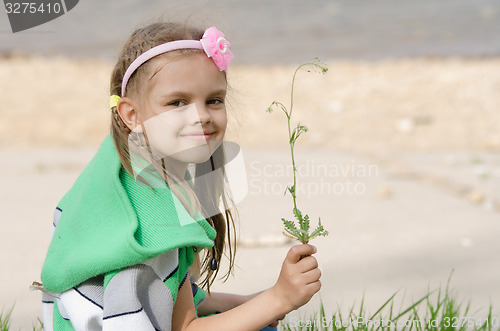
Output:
x=196 y=154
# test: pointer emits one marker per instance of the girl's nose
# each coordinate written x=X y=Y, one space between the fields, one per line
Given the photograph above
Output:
x=203 y=115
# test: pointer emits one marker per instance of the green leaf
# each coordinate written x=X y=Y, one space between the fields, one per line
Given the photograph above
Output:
x=297 y=131
x=286 y=234
x=289 y=225
x=319 y=231
x=297 y=213
x=304 y=223
x=294 y=234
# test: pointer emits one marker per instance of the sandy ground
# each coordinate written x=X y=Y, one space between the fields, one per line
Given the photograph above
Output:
x=404 y=105
x=401 y=163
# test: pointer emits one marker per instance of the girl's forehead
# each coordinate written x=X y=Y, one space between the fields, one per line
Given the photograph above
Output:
x=192 y=69
x=178 y=62
x=168 y=60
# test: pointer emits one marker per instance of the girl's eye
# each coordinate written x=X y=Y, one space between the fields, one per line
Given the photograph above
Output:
x=177 y=103
x=215 y=101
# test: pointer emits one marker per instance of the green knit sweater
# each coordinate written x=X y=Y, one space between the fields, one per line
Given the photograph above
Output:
x=109 y=222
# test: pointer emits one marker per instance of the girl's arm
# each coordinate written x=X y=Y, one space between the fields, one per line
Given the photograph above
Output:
x=297 y=283
x=221 y=302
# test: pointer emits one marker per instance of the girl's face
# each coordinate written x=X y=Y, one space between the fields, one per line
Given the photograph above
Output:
x=182 y=110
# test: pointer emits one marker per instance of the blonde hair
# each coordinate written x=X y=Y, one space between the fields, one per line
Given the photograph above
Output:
x=203 y=196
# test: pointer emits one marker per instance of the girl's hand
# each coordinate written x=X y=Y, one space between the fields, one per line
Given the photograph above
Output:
x=299 y=277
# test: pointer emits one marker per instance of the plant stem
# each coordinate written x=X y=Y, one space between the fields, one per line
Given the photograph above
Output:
x=293 y=165
x=301 y=232
x=292 y=144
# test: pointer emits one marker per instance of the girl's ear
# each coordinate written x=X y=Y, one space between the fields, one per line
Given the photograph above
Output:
x=127 y=112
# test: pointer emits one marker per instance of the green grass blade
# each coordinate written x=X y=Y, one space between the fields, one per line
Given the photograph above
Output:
x=383 y=306
x=5 y=319
x=414 y=305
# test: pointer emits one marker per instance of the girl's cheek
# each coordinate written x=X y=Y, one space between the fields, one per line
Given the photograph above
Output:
x=222 y=128
x=222 y=119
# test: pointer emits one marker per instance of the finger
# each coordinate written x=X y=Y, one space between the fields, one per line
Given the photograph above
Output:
x=307 y=263
x=311 y=276
x=274 y=324
x=314 y=287
x=297 y=251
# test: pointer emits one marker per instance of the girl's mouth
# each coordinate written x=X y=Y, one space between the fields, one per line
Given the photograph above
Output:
x=199 y=136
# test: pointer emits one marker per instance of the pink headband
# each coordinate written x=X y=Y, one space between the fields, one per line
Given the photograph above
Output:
x=213 y=43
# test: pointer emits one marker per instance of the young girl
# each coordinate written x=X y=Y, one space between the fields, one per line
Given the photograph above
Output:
x=141 y=225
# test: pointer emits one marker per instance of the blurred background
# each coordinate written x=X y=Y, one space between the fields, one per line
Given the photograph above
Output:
x=406 y=123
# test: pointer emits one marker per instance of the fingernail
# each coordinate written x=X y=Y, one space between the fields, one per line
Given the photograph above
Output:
x=315 y=249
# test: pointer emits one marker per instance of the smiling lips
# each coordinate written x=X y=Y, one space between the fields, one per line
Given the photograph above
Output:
x=205 y=135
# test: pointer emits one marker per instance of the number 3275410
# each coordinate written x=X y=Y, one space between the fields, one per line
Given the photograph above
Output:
x=470 y=322
x=32 y=8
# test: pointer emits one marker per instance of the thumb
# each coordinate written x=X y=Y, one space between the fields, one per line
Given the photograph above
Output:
x=296 y=252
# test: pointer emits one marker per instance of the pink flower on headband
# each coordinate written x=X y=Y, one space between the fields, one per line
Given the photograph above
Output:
x=217 y=47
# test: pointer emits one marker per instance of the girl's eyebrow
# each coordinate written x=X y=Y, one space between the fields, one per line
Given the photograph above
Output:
x=180 y=93
x=221 y=91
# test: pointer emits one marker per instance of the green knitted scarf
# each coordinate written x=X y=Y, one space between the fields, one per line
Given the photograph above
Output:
x=109 y=221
